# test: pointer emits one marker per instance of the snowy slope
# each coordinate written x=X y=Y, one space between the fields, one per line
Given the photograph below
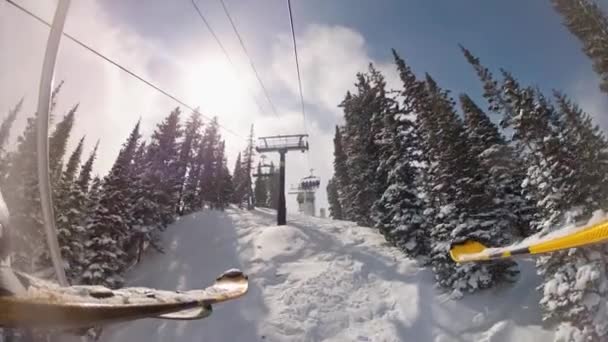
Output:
x=317 y=280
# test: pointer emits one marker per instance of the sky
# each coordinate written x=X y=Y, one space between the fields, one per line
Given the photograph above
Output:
x=166 y=42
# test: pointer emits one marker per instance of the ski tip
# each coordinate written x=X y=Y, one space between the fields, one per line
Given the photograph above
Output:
x=468 y=250
x=232 y=274
x=230 y=285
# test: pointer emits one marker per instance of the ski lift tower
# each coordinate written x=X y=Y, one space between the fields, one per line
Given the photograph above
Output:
x=282 y=144
x=305 y=192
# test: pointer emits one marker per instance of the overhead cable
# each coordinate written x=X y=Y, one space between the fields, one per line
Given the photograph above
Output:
x=255 y=71
x=219 y=42
x=131 y=73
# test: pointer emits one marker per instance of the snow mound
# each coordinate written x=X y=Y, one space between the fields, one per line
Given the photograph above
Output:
x=321 y=280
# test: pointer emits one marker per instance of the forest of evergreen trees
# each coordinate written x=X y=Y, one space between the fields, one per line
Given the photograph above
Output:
x=443 y=171
x=106 y=223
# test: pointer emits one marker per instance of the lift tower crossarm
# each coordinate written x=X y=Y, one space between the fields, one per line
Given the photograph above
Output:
x=282 y=144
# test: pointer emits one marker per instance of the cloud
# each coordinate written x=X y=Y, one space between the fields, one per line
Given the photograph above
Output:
x=330 y=57
x=586 y=92
x=112 y=101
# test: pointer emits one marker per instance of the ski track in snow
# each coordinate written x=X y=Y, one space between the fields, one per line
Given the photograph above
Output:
x=320 y=280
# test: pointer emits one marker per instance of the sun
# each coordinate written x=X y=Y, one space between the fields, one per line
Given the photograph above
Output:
x=214 y=85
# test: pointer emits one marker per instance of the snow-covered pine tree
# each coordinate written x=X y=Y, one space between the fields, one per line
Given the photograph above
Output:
x=7 y=124
x=260 y=188
x=358 y=141
x=457 y=191
x=58 y=142
x=187 y=154
x=535 y=136
x=5 y=130
x=273 y=187
x=209 y=147
x=223 y=179
x=23 y=201
x=247 y=164
x=108 y=229
x=491 y=89
x=589 y=148
x=500 y=163
x=575 y=282
x=340 y=175
x=81 y=202
x=237 y=180
x=93 y=195
x=71 y=168
x=383 y=133
x=527 y=212
x=585 y=20
x=163 y=167
x=69 y=212
x=54 y=95
x=536 y=140
x=146 y=212
x=191 y=198
x=398 y=214
x=84 y=177
x=335 y=210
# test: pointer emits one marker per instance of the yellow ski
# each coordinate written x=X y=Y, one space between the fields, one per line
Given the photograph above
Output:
x=471 y=251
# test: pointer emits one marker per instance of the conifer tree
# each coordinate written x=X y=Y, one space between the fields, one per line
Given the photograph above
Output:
x=7 y=123
x=497 y=96
x=210 y=145
x=58 y=142
x=108 y=229
x=23 y=201
x=457 y=194
x=273 y=186
x=54 y=95
x=589 y=152
x=238 y=182
x=191 y=197
x=187 y=154
x=550 y=142
x=399 y=212
x=146 y=213
x=580 y=300
x=359 y=143
x=585 y=20
x=22 y=197
x=261 y=188
x=340 y=174
x=5 y=129
x=335 y=209
x=383 y=133
x=69 y=211
x=223 y=179
x=84 y=177
x=163 y=166
x=248 y=155
x=499 y=162
x=491 y=90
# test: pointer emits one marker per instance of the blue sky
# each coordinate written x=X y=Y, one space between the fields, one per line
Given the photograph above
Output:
x=165 y=42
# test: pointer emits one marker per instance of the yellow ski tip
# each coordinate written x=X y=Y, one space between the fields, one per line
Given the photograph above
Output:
x=468 y=250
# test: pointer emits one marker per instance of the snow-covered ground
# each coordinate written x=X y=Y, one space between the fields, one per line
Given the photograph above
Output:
x=316 y=280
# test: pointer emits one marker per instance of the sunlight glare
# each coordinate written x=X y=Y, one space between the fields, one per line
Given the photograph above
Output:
x=213 y=85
